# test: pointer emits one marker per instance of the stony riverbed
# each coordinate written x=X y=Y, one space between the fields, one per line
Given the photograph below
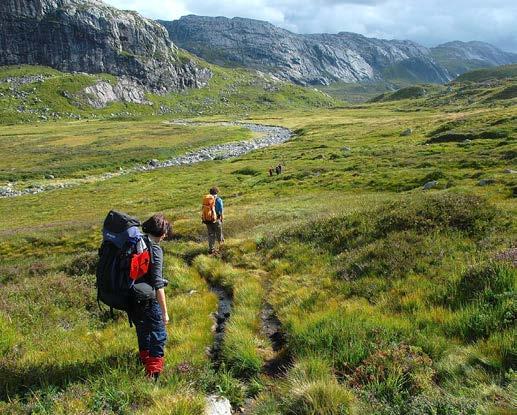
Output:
x=268 y=136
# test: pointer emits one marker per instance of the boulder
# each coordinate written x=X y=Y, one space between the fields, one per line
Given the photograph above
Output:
x=486 y=182
x=406 y=132
x=217 y=405
x=430 y=185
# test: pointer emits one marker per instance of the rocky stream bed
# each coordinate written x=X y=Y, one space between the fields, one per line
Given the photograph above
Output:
x=268 y=135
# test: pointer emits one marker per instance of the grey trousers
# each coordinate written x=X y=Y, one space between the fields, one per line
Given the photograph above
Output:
x=215 y=234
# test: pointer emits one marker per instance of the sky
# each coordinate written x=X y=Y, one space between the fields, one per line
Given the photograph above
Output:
x=426 y=21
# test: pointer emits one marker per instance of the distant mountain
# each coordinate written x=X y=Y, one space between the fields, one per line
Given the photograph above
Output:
x=318 y=59
x=89 y=36
x=460 y=57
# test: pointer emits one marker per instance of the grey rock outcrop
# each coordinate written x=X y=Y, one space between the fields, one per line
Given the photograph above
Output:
x=317 y=59
x=89 y=36
x=103 y=93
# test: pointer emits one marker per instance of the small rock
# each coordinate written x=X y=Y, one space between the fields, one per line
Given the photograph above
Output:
x=465 y=143
x=346 y=148
x=486 y=182
x=406 y=132
x=430 y=185
x=153 y=162
x=192 y=292
x=49 y=176
x=510 y=171
x=217 y=405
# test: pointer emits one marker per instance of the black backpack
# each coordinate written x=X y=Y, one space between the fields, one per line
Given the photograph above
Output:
x=124 y=258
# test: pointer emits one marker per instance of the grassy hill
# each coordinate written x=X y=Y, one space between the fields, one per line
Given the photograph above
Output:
x=38 y=94
x=480 y=75
x=391 y=299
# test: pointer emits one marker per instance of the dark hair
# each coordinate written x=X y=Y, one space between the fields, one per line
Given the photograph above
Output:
x=157 y=226
x=214 y=190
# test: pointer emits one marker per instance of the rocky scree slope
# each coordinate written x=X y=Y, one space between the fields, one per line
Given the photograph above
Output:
x=460 y=57
x=89 y=36
x=318 y=59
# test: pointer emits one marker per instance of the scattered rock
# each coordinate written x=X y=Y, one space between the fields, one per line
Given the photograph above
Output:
x=430 y=185
x=346 y=148
x=153 y=163
x=49 y=176
x=217 y=405
x=406 y=132
x=510 y=171
x=465 y=143
x=486 y=182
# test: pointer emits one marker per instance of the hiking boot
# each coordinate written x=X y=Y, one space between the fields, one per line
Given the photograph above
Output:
x=153 y=367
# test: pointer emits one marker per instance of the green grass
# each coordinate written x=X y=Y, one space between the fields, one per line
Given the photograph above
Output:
x=480 y=75
x=78 y=150
x=391 y=298
x=60 y=96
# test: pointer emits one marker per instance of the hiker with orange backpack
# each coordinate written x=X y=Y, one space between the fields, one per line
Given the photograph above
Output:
x=212 y=216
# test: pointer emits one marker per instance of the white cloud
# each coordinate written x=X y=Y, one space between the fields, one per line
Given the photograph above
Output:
x=427 y=21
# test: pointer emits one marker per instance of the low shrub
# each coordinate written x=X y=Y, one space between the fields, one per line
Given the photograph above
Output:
x=394 y=256
x=342 y=337
x=395 y=374
x=487 y=282
x=84 y=263
x=461 y=212
x=311 y=389
x=320 y=397
x=247 y=171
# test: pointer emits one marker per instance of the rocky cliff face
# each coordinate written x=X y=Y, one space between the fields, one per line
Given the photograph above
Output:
x=304 y=59
x=88 y=36
x=460 y=57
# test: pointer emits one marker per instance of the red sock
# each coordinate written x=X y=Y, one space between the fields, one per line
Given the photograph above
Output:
x=154 y=366
x=144 y=355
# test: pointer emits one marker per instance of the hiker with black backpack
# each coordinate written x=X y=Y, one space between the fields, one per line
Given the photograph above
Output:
x=212 y=216
x=130 y=278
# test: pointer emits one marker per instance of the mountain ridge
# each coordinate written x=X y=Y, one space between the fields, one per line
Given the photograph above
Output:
x=323 y=58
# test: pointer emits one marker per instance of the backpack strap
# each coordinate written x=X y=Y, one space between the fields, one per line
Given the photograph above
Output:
x=148 y=244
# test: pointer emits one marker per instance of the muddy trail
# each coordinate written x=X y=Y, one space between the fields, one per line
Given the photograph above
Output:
x=268 y=135
x=221 y=317
x=277 y=365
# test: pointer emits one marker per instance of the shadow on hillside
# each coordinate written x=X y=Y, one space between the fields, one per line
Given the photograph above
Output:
x=18 y=380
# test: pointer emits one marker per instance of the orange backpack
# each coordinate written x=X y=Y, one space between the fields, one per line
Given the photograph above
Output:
x=208 y=214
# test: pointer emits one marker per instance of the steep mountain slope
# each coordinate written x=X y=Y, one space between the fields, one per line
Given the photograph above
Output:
x=305 y=59
x=89 y=36
x=460 y=57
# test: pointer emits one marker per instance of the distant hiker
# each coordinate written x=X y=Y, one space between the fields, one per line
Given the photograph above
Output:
x=278 y=169
x=212 y=216
x=129 y=278
x=271 y=172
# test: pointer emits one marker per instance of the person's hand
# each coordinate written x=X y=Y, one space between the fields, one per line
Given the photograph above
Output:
x=165 y=318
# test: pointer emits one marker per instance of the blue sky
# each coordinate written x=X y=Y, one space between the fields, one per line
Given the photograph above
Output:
x=427 y=22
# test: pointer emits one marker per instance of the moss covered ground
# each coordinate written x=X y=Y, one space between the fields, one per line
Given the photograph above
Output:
x=391 y=299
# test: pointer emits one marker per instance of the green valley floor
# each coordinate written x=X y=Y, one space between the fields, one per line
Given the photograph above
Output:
x=384 y=298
